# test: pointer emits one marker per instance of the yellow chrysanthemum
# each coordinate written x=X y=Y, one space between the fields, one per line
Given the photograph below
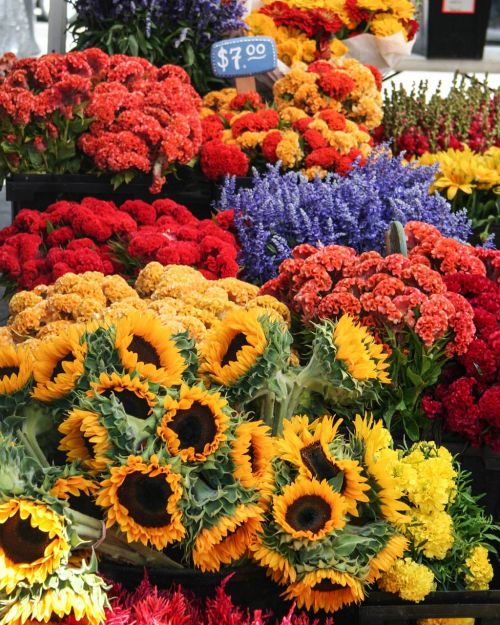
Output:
x=479 y=570
x=193 y=426
x=32 y=542
x=228 y=540
x=432 y=534
x=409 y=579
x=58 y=364
x=233 y=347
x=15 y=369
x=325 y=589
x=252 y=452
x=53 y=605
x=85 y=439
x=142 y=499
x=133 y=392
x=309 y=509
x=365 y=359
x=145 y=345
x=277 y=567
x=386 y=558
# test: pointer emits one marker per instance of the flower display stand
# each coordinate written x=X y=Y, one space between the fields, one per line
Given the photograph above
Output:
x=38 y=191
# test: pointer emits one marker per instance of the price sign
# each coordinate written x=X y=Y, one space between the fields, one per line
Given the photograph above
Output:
x=244 y=56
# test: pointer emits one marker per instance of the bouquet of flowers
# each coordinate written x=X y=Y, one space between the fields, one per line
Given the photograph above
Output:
x=448 y=533
x=472 y=180
x=95 y=235
x=467 y=397
x=182 y=298
x=86 y=111
x=281 y=211
x=403 y=300
x=179 y=32
x=306 y=30
x=417 y=122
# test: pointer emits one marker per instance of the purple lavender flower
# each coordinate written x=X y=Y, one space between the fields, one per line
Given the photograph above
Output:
x=281 y=211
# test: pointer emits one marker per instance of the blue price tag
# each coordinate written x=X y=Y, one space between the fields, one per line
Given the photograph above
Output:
x=244 y=56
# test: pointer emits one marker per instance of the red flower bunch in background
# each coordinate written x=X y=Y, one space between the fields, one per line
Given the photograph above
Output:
x=467 y=397
x=75 y=112
x=95 y=235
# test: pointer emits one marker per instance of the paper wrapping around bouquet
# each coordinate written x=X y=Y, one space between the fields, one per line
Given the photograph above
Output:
x=384 y=52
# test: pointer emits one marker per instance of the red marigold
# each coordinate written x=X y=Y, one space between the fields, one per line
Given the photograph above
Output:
x=218 y=160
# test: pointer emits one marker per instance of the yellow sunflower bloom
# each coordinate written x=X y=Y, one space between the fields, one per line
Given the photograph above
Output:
x=142 y=499
x=252 y=452
x=133 y=392
x=228 y=540
x=15 y=369
x=385 y=559
x=277 y=567
x=72 y=486
x=194 y=426
x=309 y=509
x=325 y=589
x=58 y=364
x=364 y=359
x=233 y=347
x=32 y=542
x=145 y=345
x=85 y=439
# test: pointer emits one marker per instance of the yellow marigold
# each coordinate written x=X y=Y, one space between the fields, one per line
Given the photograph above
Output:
x=409 y=579
x=22 y=300
x=250 y=140
x=116 y=288
x=435 y=482
x=261 y=24
x=309 y=98
x=238 y=291
x=385 y=25
x=432 y=534
x=28 y=322
x=291 y=114
x=479 y=570
x=288 y=150
x=369 y=110
x=149 y=278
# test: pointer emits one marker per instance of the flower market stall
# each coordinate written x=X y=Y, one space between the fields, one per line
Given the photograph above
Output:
x=250 y=372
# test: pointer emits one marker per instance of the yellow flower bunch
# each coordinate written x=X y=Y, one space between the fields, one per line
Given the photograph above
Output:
x=181 y=297
x=409 y=579
x=446 y=621
x=351 y=89
x=479 y=570
x=465 y=170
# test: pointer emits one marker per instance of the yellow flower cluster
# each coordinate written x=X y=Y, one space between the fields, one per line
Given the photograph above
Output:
x=292 y=44
x=301 y=89
x=465 y=171
x=181 y=296
x=409 y=579
x=479 y=570
x=446 y=621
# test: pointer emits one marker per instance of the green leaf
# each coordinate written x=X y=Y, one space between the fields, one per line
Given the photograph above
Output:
x=133 y=45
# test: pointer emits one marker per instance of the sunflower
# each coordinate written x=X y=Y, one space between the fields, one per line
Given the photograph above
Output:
x=307 y=447
x=278 y=567
x=194 y=426
x=233 y=347
x=145 y=345
x=143 y=500
x=325 y=589
x=309 y=509
x=79 y=492
x=85 y=439
x=86 y=606
x=134 y=394
x=58 y=365
x=383 y=561
x=374 y=438
x=228 y=540
x=33 y=542
x=15 y=369
x=252 y=452
x=364 y=359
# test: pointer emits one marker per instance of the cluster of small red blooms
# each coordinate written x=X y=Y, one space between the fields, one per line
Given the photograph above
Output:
x=142 y=119
x=393 y=291
x=317 y=23
x=334 y=82
x=95 y=235
x=427 y=246
x=467 y=396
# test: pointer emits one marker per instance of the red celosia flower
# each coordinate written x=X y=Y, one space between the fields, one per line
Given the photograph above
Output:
x=337 y=84
x=219 y=159
x=255 y=122
x=249 y=100
x=212 y=127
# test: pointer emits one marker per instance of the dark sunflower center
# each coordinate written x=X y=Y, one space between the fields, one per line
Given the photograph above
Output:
x=68 y=357
x=85 y=504
x=21 y=542
x=8 y=371
x=146 y=352
x=146 y=499
x=195 y=427
x=308 y=513
x=238 y=341
x=318 y=463
x=252 y=456
x=133 y=404
x=326 y=585
x=88 y=446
